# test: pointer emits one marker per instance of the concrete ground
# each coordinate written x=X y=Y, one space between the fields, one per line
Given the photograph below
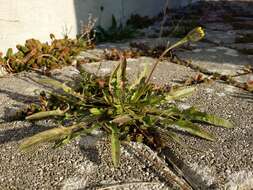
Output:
x=226 y=163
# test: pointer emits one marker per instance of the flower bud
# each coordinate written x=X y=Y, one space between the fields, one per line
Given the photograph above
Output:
x=196 y=34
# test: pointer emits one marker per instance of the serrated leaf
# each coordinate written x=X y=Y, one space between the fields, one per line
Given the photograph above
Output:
x=194 y=115
x=193 y=129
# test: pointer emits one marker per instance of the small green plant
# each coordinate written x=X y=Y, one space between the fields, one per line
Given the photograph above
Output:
x=140 y=112
x=139 y=22
x=115 y=32
x=35 y=55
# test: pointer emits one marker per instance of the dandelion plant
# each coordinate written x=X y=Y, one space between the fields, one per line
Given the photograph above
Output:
x=139 y=112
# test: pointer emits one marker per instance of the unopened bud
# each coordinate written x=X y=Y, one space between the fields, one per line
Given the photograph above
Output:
x=196 y=34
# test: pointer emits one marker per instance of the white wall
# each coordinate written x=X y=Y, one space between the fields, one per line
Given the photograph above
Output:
x=24 y=19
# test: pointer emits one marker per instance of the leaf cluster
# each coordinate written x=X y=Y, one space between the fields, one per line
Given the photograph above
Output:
x=127 y=112
x=140 y=22
x=138 y=111
x=35 y=55
x=115 y=32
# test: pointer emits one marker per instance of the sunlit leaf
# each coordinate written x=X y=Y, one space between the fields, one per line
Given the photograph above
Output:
x=96 y=111
x=113 y=83
x=181 y=93
x=56 y=84
x=46 y=136
x=170 y=136
x=193 y=129
x=63 y=86
x=115 y=146
x=46 y=114
x=140 y=79
x=194 y=115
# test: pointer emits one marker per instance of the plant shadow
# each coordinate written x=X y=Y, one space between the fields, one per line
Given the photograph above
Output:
x=190 y=175
x=10 y=113
x=91 y=154
x=17 y=134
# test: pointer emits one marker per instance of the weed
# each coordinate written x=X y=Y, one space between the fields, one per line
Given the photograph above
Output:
x=88 y=31
x=140 y=112
x=139 y=22
x=42 y=57
x=115 y=32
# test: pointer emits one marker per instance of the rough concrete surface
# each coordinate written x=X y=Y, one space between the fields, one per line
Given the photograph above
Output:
x=70 y=167
x=74 y=167
x=226 y=163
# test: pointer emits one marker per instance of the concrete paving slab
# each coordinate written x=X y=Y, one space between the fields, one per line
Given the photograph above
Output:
x=232 y=152
x=177 y=73
x=226 y=163
x=218 y=59
x=218 y=26
x=70 y=167
x=73 y=167
x=220 y=37
x=246 y=48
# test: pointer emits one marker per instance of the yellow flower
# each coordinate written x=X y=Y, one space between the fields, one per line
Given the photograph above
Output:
x=196 y=34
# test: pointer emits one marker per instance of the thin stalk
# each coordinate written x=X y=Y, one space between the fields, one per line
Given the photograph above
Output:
x=193 y=36
x=184 y=40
